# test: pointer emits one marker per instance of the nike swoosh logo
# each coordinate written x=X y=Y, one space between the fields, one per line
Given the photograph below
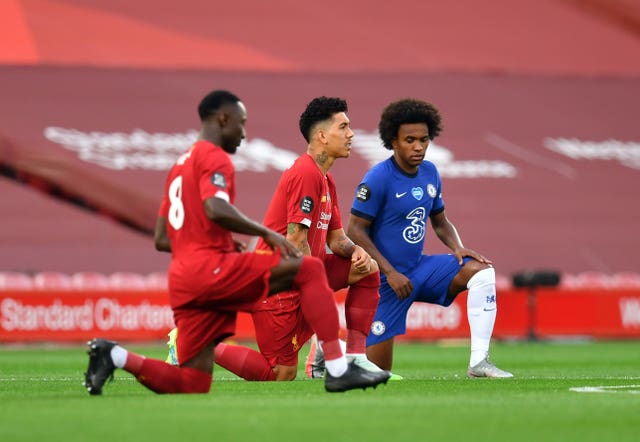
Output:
x=489 y=309
x=400 y=195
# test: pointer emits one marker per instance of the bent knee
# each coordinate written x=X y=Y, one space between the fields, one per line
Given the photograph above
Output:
x=285 y=372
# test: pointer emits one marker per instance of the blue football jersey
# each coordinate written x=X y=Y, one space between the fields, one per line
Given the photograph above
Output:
x=399 y=205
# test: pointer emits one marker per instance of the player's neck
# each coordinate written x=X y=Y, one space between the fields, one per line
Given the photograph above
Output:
x=210 y=135
x=322 y=159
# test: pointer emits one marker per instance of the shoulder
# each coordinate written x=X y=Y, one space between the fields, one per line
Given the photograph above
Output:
x=428 y=166
x=381 y=169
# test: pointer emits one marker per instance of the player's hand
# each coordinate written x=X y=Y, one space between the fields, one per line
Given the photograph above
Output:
x=279 y=242
x=240 y=245
x=464 y=252
x=361 y=260
x=400 y=284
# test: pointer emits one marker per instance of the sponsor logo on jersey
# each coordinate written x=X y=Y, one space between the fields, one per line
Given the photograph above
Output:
x=323 y=222
x=364 y=193
x=306 y=205
x=217 y=179
x=417 y=193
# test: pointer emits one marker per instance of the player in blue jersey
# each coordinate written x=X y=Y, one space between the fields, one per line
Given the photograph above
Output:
x=389 y=218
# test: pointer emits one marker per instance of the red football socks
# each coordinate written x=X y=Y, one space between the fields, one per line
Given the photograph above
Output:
x=244 y=362
x=318 y=305
x=161 y=377
x=360 y=309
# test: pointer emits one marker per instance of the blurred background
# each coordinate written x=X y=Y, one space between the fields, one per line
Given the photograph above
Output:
x=540 y=153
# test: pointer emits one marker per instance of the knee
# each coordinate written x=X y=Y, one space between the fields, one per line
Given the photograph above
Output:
x=484 y=276
x=311 y=264
x=285 y=372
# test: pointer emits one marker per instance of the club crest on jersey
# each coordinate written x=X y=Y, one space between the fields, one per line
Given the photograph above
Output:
x=217 y=179
x=417 y=193
x=431 y=190
x=378 y=328
x=306 y=205
x=363 y=193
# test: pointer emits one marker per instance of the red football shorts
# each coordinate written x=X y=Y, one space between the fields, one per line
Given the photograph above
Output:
x=207 y=291
x=281 y=330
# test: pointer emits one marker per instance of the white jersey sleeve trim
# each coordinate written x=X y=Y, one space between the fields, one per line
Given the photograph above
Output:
x=222 y=195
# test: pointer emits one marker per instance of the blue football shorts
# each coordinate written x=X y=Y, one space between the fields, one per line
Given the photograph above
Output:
x=431 y=279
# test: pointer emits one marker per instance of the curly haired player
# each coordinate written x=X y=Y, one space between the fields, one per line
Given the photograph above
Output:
x=393 y=203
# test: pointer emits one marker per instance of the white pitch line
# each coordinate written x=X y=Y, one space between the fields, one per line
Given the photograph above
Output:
x=629 y=389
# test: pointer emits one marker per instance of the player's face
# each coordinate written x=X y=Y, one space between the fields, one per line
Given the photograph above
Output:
x=233 y=132
x=338 y=136
x=410 y=146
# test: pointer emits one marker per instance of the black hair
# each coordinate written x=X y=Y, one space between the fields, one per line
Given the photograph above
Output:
x=320 y=109
x=408 y=111
x=213 y=101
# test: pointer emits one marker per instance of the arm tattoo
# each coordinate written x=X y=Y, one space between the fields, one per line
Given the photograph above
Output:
x=303 y=246
x=343 y=246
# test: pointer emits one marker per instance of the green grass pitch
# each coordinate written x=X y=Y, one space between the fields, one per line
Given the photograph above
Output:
x=41 y=399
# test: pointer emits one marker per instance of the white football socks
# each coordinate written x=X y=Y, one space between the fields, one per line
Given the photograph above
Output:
x=118 y=356
x=481 y=312
x=337 y=367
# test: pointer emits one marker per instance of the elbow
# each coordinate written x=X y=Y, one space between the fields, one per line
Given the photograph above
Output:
x=162 y=244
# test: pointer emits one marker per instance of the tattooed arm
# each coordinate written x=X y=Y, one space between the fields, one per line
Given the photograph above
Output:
x=341 y=245
x=297 y=235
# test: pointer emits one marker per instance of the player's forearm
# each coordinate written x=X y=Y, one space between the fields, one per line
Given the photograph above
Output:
x=161 y=239
x=449 y=236
x=340 y=244
x=297 y=235
x=362 y=239
x=230 y=218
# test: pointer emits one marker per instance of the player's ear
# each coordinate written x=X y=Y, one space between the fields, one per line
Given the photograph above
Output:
x=321 y=135
x=222 y=117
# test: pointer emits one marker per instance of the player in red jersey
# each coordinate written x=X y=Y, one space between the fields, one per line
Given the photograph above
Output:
x=209 y=280
x=304 y=208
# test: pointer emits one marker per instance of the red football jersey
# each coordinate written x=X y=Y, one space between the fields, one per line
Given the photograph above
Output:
x=306 y=196
x=204 y=171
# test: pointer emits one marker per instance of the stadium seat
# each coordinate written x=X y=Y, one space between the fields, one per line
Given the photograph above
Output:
x=127 y=281
x=157 y=281
x=503 y=282
x=52 y=280
x=594 y=280
x=569 y=281
x=15 y=281
x=90 y=281
x=625 y=280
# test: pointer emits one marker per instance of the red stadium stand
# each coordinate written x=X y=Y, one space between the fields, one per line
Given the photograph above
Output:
x=157 y=281
x=593 y=279
x=127 y=281
x=503 y=282
x=625 y=280
x=15 y=281
x=52 y=280
x=90 y=281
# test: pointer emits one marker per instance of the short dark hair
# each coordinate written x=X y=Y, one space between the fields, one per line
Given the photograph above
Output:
x=320 y=109
x=213 y=101
x=408 y=111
